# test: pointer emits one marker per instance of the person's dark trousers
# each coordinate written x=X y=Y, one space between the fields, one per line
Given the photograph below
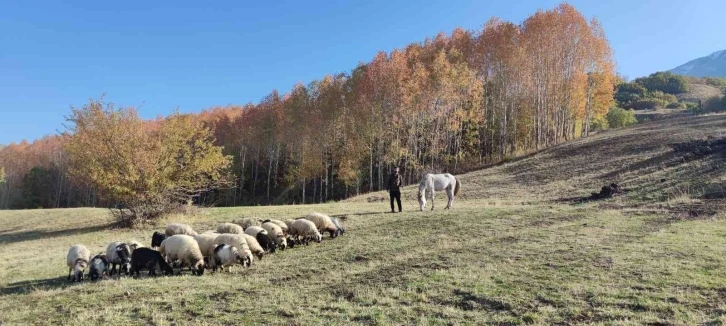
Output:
x=397 y=196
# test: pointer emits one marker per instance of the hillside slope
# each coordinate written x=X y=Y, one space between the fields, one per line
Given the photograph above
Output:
x=518 y=247
x=713 y=65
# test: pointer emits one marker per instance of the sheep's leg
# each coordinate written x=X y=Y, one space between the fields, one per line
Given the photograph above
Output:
x=70 y=270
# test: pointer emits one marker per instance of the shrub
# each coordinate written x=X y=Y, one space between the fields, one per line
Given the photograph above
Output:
x=147 y=168
x=599 y=124
x=665 y=82
x=676 y=105
x=619 y=118
x=648 y=104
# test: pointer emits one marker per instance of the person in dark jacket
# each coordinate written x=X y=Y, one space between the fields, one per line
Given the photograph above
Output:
x=394 y=188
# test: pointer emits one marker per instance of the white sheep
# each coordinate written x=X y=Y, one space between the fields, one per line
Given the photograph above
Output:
x=305 y=229
x=206 y=242
x=275 y=233
x=179 y=228
x=230 y=228
x=279 y=223
x=253 y=230
x=239 y=242
x=119 y=253
x=77 y=260
x=224 y=255
x=247 y=222
x=323 y=223
x=185 y=249
x=255 y=247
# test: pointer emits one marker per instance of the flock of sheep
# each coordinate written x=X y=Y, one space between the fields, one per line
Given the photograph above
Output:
x=181 y=246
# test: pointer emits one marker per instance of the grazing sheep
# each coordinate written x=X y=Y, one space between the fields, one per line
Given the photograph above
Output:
x=230 y=228
x=247 y=222
x=119 y=253
x=157 y=238
x=239 y=242
x=206 y=242
x=262 y=238
x=323 y=223
x=254 y=230
x=225 y=256
x=178 y=228
x=305 y=229
x=279 y=223
x=133 y=245
x=145 y=258
x=255 y=246
x=99 y=267
x=184 y=248
x=275 y=233
x=339 y=225
x=77 y=260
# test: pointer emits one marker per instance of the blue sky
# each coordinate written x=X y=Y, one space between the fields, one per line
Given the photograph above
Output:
x=162 y=55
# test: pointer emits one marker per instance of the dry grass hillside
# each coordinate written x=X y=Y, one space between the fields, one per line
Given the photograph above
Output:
x=520 y=246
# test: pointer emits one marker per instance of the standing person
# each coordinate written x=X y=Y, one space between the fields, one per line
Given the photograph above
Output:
x=394 y=188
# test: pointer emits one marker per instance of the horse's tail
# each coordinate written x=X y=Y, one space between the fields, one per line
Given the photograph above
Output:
x=458 y=186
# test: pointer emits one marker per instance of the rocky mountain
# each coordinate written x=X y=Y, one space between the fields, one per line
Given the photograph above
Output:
x=713 y=65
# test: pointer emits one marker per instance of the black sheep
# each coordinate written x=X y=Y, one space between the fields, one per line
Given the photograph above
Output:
x=145 y=258
x=157 y=238
x=266 y=242
x=99 y=267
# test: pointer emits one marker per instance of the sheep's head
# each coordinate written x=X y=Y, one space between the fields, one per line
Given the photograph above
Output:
x=157 y=238
x=198 y=268
x=318 y=238
x=168 y=270
x=123 y=252
x=78 y=268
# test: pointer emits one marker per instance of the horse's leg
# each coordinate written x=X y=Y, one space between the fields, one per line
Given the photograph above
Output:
x=450 y=194
x=432 y=198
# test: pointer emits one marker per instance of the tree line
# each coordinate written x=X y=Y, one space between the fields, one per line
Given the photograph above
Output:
x=451 y=103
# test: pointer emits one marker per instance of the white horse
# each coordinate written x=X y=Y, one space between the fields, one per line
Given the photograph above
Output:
x=438 y=182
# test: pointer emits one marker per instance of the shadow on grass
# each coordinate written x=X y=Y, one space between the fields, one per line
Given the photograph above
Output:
x=60 y=282
x=7 y=238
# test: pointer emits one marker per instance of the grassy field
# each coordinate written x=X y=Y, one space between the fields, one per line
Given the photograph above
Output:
x=519 y=247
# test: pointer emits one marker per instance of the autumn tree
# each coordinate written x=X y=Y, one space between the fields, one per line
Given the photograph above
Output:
x=145 y=167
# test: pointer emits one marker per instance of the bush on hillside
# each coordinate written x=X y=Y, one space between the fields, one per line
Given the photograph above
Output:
x=665 y=82
x=620 y=118
x=676 y=106
x=147 y=168
x=711 y=105
x=715 y=81
x=648 y=104
x=599 y=124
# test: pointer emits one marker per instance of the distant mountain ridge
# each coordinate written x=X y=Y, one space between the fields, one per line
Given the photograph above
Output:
x=713 y=65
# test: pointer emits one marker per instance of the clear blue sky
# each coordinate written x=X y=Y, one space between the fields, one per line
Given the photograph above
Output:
x=197 y=54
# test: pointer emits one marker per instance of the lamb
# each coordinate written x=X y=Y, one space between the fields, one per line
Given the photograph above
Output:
x=323 y=223
x=275 y=233
x=239 y=242
x=230 y=228
x=119 y=253
x=184 y=248
x=145 y=258
x=305 y=229
x=77 y=260
x=99 y=267
x=225 y=256
x=178 y=228
x=247 y=222
x=279 y=223
x=156 y=239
